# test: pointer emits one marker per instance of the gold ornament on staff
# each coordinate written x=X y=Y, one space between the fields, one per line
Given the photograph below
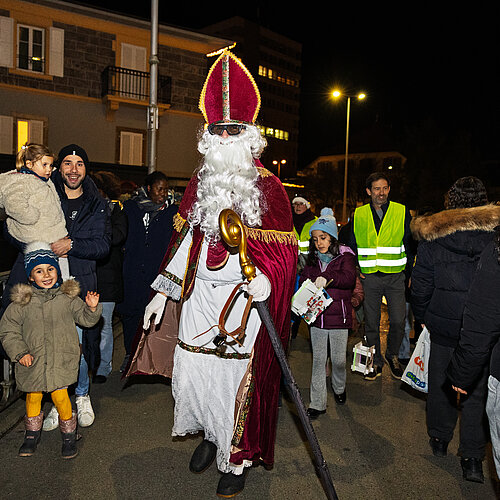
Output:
x=233 y=233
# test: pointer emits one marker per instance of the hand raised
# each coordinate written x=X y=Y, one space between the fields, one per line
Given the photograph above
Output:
x=92 y=299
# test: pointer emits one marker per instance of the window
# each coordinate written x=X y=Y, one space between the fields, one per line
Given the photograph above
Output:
x=273 y=75
x=30 y=48
x=28 y=131
x=282 y=135
x=131 y=147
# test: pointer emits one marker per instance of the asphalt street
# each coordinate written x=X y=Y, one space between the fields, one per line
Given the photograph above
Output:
x=375 y=446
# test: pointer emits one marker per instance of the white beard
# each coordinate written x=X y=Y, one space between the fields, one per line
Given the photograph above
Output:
x=228 y=179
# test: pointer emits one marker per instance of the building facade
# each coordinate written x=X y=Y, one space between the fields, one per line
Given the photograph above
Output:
x=73 y=74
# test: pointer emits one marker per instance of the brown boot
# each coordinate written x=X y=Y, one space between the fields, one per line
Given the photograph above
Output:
x=68 y=434
x=32 y=433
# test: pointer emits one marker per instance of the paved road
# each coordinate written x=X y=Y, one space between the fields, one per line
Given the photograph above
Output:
x=375 y=446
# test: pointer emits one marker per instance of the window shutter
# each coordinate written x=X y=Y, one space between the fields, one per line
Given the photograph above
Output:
x=36 y=131
x=6 y=41
x=131 y=148
x=6 y=134
x=56 y=54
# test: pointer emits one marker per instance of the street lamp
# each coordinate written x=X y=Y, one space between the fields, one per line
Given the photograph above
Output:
x=337 y=95
x=279 y=163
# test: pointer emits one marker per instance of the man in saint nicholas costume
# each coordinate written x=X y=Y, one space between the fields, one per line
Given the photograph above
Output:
x=230 y=394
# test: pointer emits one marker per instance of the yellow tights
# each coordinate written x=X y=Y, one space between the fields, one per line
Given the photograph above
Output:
x=61 y=401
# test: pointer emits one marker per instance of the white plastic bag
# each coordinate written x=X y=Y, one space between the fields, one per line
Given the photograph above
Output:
x=416 y=372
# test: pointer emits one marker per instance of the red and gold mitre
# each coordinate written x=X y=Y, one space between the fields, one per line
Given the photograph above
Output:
x=230 y=93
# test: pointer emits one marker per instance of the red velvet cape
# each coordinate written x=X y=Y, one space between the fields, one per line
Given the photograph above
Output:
x=273 y=249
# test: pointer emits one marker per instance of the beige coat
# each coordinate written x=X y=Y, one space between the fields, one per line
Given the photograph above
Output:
x=42 y=323
x=33 y=208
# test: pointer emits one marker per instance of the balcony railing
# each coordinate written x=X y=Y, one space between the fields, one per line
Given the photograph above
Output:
x=132 y=84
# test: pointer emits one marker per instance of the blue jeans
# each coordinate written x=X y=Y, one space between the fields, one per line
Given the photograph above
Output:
x=83 y=383
x=404 y=350
x=106 y=345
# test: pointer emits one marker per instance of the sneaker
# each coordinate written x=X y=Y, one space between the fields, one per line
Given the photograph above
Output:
x=377 y=372
x=396 y=370
x=84 y=410
x=51 y=421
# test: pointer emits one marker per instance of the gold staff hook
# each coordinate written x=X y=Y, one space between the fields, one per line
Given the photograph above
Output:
x=233 y=233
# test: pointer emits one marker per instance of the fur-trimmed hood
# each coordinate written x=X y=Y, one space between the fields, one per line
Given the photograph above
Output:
x=431 y=227
x=22 y=293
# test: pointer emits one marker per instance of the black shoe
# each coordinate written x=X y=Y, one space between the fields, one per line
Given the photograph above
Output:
x=340 y=399
x=314 y=414
x=395 y=367
x=377 y=372
x=202 y=457
x=472 y=469
x=439 y=447
x=230 y=484
x=99 y=379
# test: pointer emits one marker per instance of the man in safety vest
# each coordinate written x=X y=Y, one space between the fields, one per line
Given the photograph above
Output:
x=381 y=237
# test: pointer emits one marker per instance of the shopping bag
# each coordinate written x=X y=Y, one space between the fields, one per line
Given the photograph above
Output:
x=310 y=301
x=416 y=372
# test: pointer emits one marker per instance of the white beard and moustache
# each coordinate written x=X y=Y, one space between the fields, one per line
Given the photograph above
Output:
x=228 y=179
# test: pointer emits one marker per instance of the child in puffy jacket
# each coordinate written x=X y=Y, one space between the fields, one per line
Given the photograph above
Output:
x=29 y=198
x=332 y=266
x=38 y=332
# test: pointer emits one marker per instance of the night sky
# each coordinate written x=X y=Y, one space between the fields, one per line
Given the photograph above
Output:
x=416 y=62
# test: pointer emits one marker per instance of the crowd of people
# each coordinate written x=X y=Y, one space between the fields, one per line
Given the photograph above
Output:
x=85 y=255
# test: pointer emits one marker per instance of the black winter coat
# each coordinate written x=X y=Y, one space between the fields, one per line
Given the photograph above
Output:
x=450 y=244
x=109 y=269
x=144 y=252
x=480 y=336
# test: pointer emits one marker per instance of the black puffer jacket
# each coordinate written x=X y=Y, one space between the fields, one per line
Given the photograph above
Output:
x=450 y=244
x=480 y=336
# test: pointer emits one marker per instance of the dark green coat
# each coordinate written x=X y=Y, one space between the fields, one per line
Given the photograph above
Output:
x=42 y=323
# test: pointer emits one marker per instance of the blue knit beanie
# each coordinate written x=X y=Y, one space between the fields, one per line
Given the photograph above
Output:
x=326 y=222
x=40 y=253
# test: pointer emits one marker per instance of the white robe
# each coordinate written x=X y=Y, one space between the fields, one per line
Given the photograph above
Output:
x=204 y=386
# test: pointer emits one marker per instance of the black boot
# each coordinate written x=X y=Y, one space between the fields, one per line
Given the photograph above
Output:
x=230 y=484
x=202 y=457
x=32 y=433
x=439 y=447
x=68 y=434
x=472 y=469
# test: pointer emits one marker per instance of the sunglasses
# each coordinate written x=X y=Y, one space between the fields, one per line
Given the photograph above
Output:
x=230 y=128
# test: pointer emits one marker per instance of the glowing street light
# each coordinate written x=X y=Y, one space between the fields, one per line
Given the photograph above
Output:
x=337 y=95
x=279 y=163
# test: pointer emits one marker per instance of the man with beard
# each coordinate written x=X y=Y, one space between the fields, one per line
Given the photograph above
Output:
x=229 y=393
x=381 y=236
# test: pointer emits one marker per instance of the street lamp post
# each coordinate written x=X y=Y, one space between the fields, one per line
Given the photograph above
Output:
x=337 y=94
x=279 y=163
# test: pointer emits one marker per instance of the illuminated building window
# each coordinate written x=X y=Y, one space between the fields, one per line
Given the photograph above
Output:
x=28 y=131
x=30 y=48
x=273 y=75
x=274 y=132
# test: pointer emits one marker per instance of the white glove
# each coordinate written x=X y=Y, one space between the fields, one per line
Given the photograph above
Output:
x=156 y=306
x=259 y=288
x=320 y=282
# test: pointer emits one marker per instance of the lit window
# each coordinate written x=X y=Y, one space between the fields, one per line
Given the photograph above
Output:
x=30 y=48
x=29 y=131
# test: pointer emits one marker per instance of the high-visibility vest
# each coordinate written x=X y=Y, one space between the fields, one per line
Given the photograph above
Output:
x=304 y=237
x=385 y=251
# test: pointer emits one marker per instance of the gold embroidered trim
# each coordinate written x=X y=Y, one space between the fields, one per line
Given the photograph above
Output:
x=215 y=352
x=263 y=172
x=271 y=236
x=178 y=222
